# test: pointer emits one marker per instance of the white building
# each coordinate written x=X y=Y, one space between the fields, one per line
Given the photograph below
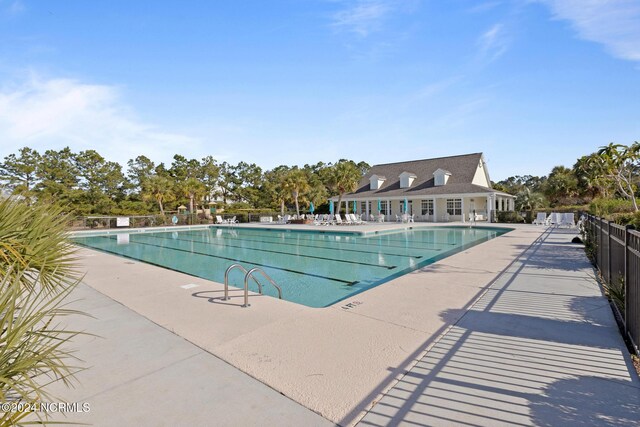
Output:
x=441 y=189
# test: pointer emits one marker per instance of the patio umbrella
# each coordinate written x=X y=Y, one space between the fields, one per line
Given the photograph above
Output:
x=311 y=207
x=331 y=207
x=406 y=206
x=379 y=206
x=355 y=206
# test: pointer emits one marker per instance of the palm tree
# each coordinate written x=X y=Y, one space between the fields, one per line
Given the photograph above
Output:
x=295 y=182
x=274 y=186
x=159 y=189
x=591 y=176
x=37 y=272
x=619 y=163
x=193 y=189
x=529 y=201
x=344 y=178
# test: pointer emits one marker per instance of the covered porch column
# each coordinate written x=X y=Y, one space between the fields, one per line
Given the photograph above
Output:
x=435 y=211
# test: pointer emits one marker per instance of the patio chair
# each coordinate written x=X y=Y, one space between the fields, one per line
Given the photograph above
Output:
x=567 y=219
x=411 y=218
x=398 y=218
x=233 y=220
x=541 y=218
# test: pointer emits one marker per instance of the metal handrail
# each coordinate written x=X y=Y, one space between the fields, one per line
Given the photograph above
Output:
x=246 y=284
x=226 y=280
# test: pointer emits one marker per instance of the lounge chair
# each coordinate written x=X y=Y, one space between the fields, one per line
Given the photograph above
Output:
x=541 y=218
x=567 y=219
x=233 y=220
x=553 y=218
x=337 y=219
x=219 y=220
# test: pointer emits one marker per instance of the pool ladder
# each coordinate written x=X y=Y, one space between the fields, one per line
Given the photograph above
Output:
x=247 y=276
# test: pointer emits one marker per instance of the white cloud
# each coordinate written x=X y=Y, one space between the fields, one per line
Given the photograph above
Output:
x=493 y=43
x=613 y=23
x=54 y=113
x=12 y=8
x=362 y=17
x=432 y=89
x=484 y=7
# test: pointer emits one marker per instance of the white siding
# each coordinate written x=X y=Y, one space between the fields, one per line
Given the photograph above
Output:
x=480 y=177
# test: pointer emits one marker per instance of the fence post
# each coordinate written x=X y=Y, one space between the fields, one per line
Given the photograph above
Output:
x=609 y=252
x=626 y=280
x=599 y=251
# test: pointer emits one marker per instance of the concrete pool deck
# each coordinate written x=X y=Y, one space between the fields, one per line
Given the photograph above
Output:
x=338 y=360
x=540 y=347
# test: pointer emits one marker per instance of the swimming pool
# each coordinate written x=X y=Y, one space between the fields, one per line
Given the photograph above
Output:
x=313 y=268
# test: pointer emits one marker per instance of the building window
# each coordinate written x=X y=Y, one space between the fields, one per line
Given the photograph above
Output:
x=427 y=207
x=363 y=207
x=386 y=209
x=454 y=206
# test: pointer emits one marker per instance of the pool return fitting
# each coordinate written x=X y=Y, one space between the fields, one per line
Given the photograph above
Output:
x=247 y=276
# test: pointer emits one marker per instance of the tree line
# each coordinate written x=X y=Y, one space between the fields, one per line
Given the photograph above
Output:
x=610 y=174
x=86 y=183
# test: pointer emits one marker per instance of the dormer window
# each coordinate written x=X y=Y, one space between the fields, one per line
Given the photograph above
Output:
x=406 y=179
x=376 y=181
x=440 y=177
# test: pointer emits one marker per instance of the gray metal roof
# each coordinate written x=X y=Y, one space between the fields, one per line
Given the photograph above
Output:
x=462 y=169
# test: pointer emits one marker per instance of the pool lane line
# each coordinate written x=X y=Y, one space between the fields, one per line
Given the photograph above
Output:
x=367 y=264
x=362 y=241
x=349 y=243
x=346 y=242
x=321 y=247
x=347 y=282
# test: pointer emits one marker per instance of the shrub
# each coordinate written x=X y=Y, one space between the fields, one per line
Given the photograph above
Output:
x=509 y=217
x=626 y=218
x=604 y=207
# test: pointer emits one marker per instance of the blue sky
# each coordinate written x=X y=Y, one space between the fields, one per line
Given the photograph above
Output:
x=531 y=83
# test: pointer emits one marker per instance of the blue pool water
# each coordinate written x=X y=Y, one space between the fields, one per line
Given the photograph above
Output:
x=316 y=269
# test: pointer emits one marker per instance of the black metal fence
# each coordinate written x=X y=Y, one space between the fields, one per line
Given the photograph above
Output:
x=616 y=252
